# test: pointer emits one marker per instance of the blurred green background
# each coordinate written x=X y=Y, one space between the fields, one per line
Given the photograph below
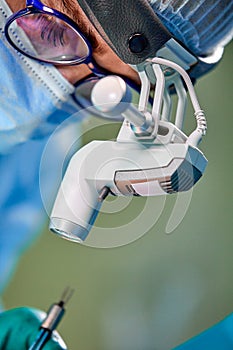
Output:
x=163 y=288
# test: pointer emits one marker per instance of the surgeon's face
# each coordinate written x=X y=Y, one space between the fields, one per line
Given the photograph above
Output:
x=102 y=53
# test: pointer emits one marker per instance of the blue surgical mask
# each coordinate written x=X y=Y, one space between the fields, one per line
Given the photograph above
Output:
x=34 y=97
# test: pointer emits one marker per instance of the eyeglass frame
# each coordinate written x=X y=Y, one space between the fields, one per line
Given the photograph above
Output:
x=36 y=6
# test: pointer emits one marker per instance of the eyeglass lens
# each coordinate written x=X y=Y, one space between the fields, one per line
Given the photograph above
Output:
x=48 y=38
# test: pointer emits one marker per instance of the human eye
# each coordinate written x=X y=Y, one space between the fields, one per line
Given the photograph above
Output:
x=51 y=30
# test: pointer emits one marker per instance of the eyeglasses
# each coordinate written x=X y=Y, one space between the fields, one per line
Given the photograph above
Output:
x=49 y=36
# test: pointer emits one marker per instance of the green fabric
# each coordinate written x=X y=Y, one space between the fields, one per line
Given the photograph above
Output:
x=19 y=328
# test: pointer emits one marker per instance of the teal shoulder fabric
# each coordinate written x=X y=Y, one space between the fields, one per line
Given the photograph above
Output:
x=218 y=337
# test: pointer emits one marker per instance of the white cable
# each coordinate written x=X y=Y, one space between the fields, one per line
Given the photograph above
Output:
x=199 y=114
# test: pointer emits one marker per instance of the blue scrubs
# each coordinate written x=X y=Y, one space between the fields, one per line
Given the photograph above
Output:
x=22 y=215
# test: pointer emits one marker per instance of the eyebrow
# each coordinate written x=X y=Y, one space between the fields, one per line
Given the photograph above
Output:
x=69 y=8
x=73 y=12
x=66 y=5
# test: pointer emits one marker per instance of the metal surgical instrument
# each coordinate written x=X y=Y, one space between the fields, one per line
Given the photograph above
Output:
x=54 y=316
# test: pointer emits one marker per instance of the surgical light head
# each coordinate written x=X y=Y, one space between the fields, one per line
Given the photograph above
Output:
x=151 y=156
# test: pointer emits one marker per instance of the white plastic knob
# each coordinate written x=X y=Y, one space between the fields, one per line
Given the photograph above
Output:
x=111 y=95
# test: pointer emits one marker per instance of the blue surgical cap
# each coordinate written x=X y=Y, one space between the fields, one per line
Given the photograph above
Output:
x=201 y=25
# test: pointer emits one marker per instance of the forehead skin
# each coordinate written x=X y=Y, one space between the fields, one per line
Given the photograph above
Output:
x=102 y=53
